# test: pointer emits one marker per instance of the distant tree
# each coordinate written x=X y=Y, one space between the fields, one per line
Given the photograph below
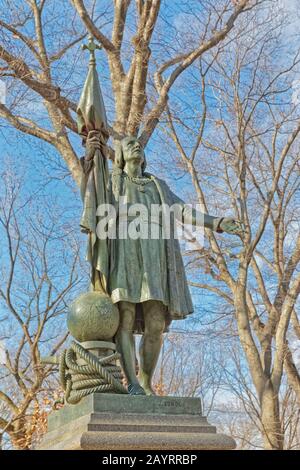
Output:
x=241 y=415
x=190 y=367
x=39 y=262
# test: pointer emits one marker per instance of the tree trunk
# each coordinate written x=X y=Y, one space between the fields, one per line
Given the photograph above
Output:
x=270 y=419
x=19 y=437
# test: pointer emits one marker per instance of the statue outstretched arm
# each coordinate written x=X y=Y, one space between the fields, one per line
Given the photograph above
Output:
x=191 y=216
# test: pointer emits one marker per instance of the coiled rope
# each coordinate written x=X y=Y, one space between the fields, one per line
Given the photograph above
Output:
x=98 y=375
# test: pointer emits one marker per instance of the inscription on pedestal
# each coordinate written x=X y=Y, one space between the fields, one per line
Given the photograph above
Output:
x=170 y=404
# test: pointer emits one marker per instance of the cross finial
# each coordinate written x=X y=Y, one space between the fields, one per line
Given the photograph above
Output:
x=91 y=47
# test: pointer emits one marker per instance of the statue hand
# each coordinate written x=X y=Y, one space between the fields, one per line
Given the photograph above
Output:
x=93 y=143
x=231 y=226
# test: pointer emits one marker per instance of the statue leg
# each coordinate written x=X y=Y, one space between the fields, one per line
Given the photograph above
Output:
x=151 y=342
x=126 y=346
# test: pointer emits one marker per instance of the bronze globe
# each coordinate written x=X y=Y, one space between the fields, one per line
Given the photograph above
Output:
x=93 y=317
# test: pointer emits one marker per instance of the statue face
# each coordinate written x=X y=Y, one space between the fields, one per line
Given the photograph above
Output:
x=132 y=150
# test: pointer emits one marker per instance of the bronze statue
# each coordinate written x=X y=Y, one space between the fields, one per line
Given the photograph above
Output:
x=144 y=277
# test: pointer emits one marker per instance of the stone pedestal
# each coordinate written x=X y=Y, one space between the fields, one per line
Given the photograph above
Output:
x=124 y=422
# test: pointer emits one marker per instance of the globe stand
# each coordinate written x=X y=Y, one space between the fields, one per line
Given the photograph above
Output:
x=100 y=349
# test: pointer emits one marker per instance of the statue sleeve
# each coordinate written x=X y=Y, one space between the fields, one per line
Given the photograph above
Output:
x=191 y=216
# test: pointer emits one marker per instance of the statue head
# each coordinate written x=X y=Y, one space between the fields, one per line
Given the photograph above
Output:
x=127 y=150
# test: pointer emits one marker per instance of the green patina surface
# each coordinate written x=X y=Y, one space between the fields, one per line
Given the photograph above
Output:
x=115 y=404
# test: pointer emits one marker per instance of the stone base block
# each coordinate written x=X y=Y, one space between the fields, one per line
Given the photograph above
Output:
x=124 y=422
